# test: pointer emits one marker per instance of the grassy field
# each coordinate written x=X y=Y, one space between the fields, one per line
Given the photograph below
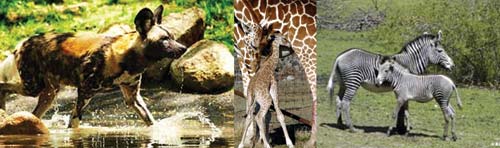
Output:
x=20 y=19
x=476 y=125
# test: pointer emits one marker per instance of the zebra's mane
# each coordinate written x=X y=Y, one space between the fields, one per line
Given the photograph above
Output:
x=417 y=42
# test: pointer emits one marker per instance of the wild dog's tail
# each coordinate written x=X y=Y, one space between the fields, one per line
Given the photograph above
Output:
x=331 y=81
x=8 y=68
x=459 y=102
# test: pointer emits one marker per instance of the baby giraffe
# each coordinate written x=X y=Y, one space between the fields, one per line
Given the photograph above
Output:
x=263 y=89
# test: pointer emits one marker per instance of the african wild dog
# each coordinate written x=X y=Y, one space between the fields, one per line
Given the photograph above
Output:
x=92 y=63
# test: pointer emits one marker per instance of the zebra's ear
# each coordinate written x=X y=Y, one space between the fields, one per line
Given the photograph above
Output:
x=440 y=35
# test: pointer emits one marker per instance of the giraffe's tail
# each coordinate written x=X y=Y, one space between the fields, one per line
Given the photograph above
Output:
x=331 y=82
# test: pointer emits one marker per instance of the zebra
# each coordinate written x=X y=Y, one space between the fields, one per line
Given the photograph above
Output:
x=356 y=67
x=420 y=88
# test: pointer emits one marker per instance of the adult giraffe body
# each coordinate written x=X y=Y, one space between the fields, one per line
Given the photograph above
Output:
x=293 y=19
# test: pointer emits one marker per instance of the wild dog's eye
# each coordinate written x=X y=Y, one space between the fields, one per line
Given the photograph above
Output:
x=165 y=38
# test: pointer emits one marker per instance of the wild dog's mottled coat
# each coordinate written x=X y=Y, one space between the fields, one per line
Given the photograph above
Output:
x=93 y=62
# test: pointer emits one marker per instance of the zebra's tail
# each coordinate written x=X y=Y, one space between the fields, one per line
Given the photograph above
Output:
x=331 y=82
x=459 y=102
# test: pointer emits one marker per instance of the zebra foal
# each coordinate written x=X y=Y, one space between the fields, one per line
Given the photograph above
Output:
x=420 y=88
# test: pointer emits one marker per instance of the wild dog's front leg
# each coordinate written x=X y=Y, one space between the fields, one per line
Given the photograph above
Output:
x=45 y=100
x=84 y=98
x=134 y=99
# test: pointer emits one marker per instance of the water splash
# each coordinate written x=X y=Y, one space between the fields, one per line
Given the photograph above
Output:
x=168 y=131
x=57 y=120
x=182 y=81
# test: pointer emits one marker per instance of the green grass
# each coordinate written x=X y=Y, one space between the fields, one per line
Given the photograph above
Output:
x=38 y=18
x=476 y=124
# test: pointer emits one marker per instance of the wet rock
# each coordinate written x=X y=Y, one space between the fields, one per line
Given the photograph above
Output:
x=187 y=28
x=3 y=115
x=115 y=29
x=207 y=66
x=22 y=123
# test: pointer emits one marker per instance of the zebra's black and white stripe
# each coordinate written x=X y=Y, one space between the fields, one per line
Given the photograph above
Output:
x=420 y=88
x=356 y=67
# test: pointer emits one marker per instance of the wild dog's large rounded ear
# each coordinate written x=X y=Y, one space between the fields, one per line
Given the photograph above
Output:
x=158 y=14
x=440 y=35
x=144 y=21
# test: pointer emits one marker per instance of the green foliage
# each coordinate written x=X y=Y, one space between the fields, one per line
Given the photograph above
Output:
x=218 y=16
x=470 y=35
x=20 y=19
x=470 y=31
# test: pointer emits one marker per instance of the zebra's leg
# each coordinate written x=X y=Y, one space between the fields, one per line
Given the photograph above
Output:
x=264 y=108
x=339 y=105
x=452 y=118
x=445 y=109
x=346 y=101
x=407 y=119
x=399 y=104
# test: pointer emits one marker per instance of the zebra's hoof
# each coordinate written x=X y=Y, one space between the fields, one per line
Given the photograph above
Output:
x=444 y=138
x=354 y=130
x=291 y=146
x=454 y=138
x=241 y=145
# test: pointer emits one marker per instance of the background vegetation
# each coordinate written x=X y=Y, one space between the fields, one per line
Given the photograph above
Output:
x=470 y=36
x=20 y=19
x=470 y=30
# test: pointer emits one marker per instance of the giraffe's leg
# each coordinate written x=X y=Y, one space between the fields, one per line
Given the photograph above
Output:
x=264 y=108
x=248 y=121
x=281 y=118
x=307 y=58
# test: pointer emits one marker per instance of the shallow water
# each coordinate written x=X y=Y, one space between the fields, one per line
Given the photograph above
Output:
x=182 y=119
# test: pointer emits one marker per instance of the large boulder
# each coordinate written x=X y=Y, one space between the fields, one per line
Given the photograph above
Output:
x=22 y=123
x=207 y=66
x=187 y=28
x=115 y=29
